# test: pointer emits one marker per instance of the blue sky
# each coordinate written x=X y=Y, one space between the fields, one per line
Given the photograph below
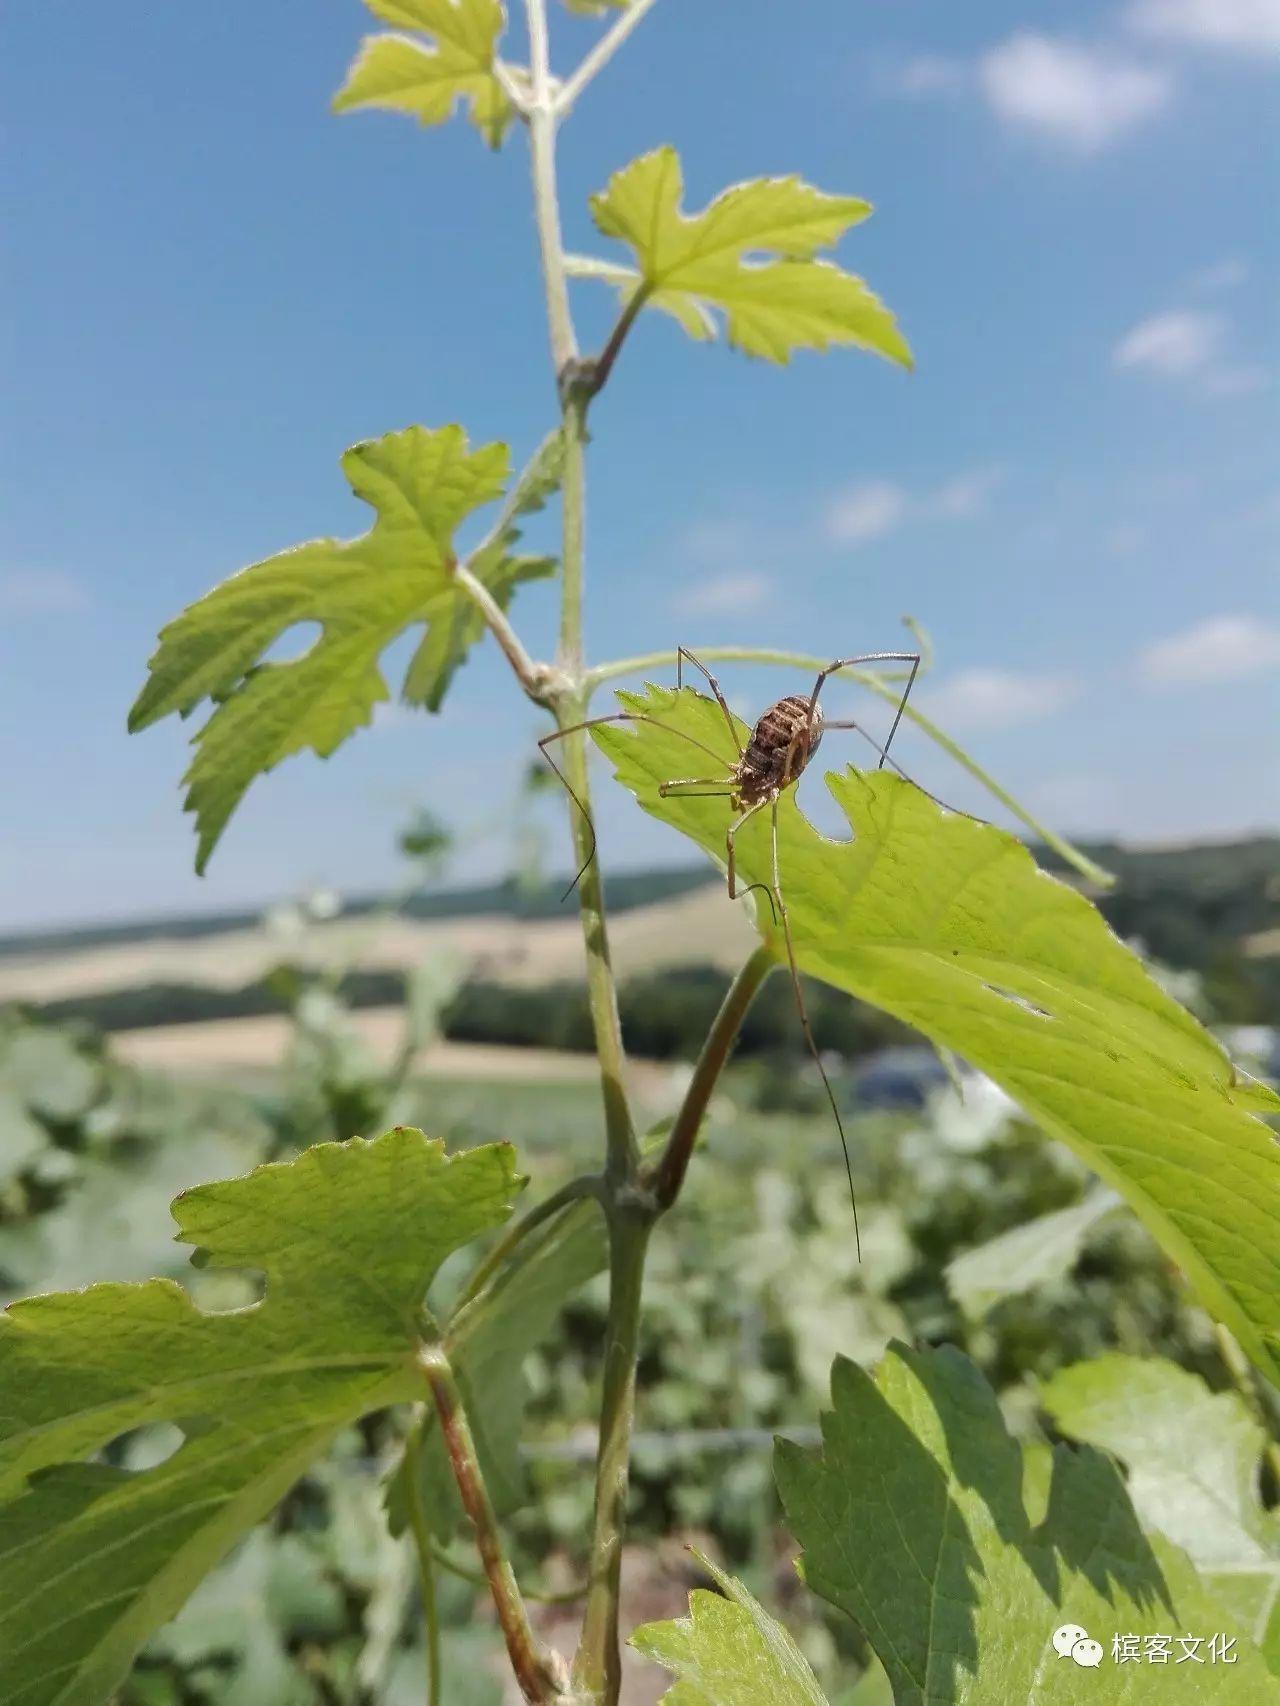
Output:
x=214 y=286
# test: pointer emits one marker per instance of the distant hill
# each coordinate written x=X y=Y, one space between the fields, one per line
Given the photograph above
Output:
x=1212 y=908
x=508 y=899
x=1234 y=871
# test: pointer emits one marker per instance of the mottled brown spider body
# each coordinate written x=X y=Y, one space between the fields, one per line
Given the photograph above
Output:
x=779 y=748
x=781 y=744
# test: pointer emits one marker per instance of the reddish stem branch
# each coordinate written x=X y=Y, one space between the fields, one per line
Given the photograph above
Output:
x=539 y=1673
x=603 y=365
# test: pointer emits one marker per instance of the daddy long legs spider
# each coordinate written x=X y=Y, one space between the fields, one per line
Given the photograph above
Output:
x=772 y=760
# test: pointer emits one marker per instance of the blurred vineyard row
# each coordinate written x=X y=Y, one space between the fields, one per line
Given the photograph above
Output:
x=975 y=1231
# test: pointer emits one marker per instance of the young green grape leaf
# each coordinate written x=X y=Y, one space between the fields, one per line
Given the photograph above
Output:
x=428 y=79
x=487 y=1342
x=539 y=480
x=363 y=592
x=728 y=1651
x=690 y=264
x=948 y=924
x=912 y=1521
x=1036 y=1253
x=594 y=8
x=349 y=1236
x=1193 y=1457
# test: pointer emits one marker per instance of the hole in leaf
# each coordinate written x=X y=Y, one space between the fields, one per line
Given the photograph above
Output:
x=142 y=1448
x=294 y=643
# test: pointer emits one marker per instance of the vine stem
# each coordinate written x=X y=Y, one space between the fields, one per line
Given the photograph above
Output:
x=622 y=1153
x=538 y=1672
x=668 y=1175
x=546 y=201
x=622 y=1160
x=880 y=684
x=597 y=1666
x=426 y=1558
x=630 y=1207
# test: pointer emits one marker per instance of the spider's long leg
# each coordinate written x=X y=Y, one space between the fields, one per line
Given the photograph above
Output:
x=713 y=790
x=899 y=771
x=591 y=723
x=805 y=1026
x=766 y=891
x=897 y=715
x=732 y=831
x=683 y=653
x=913 y=658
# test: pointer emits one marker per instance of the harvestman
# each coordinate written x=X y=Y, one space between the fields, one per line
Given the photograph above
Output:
x=779 y=748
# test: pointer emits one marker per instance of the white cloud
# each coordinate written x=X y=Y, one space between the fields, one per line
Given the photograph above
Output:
x=1188 y=344
x=1221 y=648
x=1178 y=343
x=968 y=494
x=1244 y=26
x=742 y=590
x=873 y=508
x=866 y=511
x=42 y=592
x=1076 y=95
x=718 y=581
x=997 y=698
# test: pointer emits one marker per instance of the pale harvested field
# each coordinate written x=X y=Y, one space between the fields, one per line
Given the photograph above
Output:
x=258 y=1044
x=703 y=927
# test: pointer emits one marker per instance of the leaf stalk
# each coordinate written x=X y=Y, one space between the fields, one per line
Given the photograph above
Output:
x=587 y=1185
x=668 y=1175
x=603 y=364
x=539 y=680
x=595 y=61
x=539 y=1672
x=505 y=78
